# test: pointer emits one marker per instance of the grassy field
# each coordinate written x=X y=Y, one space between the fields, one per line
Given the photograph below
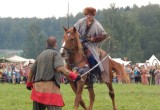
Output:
x=128 y=97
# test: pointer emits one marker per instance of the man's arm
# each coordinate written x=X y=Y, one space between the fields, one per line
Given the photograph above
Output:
x=30 y=76
x=29 y=84
x=69 y=74
x=98 y=39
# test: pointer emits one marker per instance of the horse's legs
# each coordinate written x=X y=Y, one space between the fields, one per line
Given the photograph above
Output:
x=111 y=94
x=91 y=96
x=78 y=98
x=74 y=88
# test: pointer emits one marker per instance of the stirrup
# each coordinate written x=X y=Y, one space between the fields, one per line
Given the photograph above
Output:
x=93 y=78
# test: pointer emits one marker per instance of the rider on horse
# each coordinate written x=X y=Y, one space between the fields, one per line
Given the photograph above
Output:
x=91 y=33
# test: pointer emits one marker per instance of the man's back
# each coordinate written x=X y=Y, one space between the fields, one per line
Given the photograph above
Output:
x=45 y=65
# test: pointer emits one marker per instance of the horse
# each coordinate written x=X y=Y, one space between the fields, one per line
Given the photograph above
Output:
x=75 y=58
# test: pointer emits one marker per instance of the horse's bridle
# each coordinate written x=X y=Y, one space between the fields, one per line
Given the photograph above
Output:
x=69 y=52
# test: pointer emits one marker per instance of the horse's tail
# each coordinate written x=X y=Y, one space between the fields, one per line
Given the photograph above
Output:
x=119 y=69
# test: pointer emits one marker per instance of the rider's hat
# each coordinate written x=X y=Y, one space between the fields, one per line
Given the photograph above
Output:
x=89 y=10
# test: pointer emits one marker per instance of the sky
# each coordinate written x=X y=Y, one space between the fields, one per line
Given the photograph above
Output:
x=59 y=8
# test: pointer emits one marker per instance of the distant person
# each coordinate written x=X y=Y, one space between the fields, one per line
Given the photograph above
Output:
x=129 y=72
x=148 y=74
x=9 y=75
x=1 y=73
x=137 y=74
x=44 y=78
x=144 y=79
x=157 y=75
x=152 y=70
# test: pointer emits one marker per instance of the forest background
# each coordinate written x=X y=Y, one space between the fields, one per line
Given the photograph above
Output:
x=135 y=32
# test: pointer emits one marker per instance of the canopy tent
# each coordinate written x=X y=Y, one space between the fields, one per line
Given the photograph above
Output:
x=16 y=58
x=2 y=60
x=29 y=61
x=119 y=60
x=153 y=61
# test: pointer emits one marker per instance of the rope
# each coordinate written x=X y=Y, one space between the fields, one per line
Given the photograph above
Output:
x=104 y=42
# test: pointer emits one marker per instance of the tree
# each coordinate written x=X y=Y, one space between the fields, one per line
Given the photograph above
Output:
x=35 y=41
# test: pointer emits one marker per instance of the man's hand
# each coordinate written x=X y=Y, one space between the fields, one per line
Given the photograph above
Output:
x=74 y=76
x=91 y=39
x=29 y=85
x=71 y=75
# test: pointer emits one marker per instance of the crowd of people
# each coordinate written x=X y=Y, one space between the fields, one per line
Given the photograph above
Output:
x=15 y=73
x=147 y=75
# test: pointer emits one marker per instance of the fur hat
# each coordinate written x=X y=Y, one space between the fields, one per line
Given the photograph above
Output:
x=89 y=10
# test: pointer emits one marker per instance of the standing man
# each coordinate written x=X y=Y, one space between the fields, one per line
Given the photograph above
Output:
x=91 y=33
x=152 y=70
x=44 y=78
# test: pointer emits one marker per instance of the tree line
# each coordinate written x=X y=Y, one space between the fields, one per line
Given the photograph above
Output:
x=134 y=32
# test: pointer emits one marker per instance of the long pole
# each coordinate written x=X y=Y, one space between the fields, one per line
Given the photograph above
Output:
x=68 y=15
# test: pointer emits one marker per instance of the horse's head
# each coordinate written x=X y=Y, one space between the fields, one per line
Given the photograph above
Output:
x=70 y=33
x=71 y=39
x=72 y=47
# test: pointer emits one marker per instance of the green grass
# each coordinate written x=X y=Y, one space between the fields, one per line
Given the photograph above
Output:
x=128 y=97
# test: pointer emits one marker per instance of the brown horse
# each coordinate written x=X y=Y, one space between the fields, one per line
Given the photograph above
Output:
x=76 y=58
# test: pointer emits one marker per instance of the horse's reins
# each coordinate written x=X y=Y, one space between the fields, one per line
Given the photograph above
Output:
x=98 y=62
x=82 y=60
x=104 y=42
x=92 y=67
x=76 y=63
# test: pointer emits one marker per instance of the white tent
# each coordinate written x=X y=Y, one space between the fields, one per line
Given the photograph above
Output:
x=141 y=64
x=16 y=58
x=2 y=60
x=153 y=61
x=119 y=60
x=29 y=61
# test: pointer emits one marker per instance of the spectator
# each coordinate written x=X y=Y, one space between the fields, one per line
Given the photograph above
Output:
x=13 y=76
x=137 y=74
x=128 y=69
x=152 y=70
x=18 y=76
x=144 y=79
x=9 y=75
x=0 y=74
x=157 y=76
x=148 y=75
